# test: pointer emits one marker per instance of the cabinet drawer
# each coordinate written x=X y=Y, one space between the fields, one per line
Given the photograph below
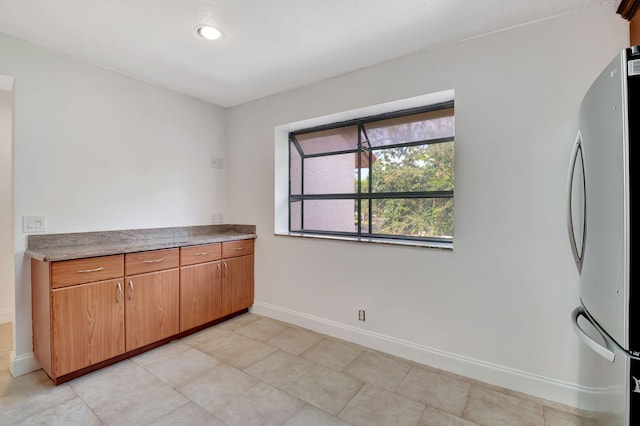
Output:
x=149 y=261
x=91 y=269
x=237 y=248
x=200 y=254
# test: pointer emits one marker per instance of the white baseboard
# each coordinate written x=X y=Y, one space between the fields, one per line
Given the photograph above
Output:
x=6 y=315
x=506 y=377
x=23 y=364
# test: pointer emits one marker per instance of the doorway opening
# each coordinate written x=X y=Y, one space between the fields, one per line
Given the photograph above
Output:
x=7 y=260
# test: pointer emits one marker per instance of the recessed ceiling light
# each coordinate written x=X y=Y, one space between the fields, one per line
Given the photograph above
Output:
x=210 y=33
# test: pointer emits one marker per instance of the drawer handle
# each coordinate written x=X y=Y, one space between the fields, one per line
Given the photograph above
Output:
x=239 y=248
x=154 y=261
x=202 y=254
x=84 y=271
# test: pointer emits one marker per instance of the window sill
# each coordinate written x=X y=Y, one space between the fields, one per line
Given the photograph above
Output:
x=406 y=243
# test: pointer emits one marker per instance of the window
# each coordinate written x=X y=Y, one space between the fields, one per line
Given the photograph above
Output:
x=388 y=176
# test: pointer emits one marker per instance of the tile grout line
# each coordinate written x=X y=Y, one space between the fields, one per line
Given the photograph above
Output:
x=86 y=405
x=402 y=381
x=466 y=403
x=395 y=392
x=352 y=398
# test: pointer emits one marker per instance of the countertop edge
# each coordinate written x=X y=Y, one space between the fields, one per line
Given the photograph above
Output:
x=54 y=254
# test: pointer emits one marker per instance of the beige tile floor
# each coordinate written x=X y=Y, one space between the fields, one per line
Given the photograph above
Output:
x=253 y=370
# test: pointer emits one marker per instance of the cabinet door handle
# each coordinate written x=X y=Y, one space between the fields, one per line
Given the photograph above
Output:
x=154 y=261
x=226 y=269
x=202 y=254
x=119 y=292
x=219 y=271
x=84 y=271
x=130 y=290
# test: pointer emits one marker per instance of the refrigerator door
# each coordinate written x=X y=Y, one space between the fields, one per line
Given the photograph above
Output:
x=605 y=374
x=604 y=281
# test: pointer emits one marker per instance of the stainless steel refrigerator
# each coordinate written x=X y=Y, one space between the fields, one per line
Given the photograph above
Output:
x=604 y=230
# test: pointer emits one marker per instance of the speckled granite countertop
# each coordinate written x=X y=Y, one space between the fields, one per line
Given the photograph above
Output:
x=52 y=247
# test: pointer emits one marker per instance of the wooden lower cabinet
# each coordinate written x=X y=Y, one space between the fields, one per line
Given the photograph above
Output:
x=200 y=294
x=88 y=321
x=151 y=308
x=95 y=311
x=87 y=325
x=212 y=290
x=77 y=312
x=237 y=284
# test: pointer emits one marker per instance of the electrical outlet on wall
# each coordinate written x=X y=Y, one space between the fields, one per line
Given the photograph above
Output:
x=217 y=163
x=361 y=315
x=217 y=218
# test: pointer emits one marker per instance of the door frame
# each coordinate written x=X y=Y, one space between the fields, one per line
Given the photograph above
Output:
x=7 y=196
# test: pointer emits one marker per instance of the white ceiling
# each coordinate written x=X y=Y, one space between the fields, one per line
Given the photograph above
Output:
x=269 y=45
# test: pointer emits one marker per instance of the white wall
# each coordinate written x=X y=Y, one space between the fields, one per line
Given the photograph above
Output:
x=496 y=307
x=6 y=200
x=95 y=150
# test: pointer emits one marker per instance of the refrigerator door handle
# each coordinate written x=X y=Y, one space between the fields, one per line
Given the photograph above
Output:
x=604 y=352
x=578 y=253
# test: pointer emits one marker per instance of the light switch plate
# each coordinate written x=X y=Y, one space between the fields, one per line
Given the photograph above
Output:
x=32 y=224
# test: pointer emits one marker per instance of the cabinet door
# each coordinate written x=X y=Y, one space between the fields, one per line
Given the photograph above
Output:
x=88 y=325
x=200 y=294
x=151 y=307
x=237 y=288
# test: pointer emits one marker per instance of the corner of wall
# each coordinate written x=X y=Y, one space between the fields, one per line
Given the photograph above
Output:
x=6 y=315
x=22 y=364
